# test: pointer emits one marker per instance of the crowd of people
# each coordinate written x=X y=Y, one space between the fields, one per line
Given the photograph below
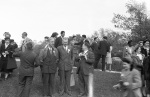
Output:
x=135 y=76
x=57 y=55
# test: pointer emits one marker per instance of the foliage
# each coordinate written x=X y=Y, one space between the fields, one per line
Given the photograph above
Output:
x=137 y=21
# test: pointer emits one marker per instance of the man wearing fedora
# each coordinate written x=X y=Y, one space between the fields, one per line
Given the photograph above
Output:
x=48 y=58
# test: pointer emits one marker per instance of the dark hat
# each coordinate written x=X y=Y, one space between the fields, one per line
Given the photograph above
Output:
x=84 y=36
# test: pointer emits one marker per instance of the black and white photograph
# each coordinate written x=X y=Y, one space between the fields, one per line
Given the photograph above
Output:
x=74 y=48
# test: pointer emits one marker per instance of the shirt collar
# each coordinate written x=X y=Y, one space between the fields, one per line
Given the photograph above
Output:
x=66 y=46
x=85 y=51
x=25 y=38
x=6 y=44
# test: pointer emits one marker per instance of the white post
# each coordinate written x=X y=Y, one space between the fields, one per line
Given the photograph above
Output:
x=90 y=85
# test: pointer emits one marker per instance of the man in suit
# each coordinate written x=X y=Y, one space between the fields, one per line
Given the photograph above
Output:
x=58 y=41
x=103 y=49
x=25 y=41
x=81 y=42
x=65 y=54
x=85 y=68
x=26 y=70
x=94 y=47
x=42 y=46
x=48 y=58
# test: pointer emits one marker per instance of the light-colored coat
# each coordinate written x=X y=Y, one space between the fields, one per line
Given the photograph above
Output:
x=135 y=83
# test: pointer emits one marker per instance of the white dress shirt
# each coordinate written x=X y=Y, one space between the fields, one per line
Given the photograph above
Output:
x=6 y=45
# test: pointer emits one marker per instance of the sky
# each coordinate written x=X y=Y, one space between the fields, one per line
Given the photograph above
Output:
x=40 y=18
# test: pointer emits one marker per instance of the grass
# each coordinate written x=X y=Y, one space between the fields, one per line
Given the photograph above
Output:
x=103 y=82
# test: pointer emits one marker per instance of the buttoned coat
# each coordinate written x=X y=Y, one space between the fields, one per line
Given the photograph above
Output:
x=135 y=83
x=86 y=64
x=51 y=66
x=65 y=58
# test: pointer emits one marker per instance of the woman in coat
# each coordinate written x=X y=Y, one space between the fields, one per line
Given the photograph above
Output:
x=131 y=82
x=12 y=62
x=85 y=68
x=6 y=54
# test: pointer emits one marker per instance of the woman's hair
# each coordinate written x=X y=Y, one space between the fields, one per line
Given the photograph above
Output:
x=54 y=34
x=73 y=36
x=129 y=61
x=84 y=36
x=145 y=41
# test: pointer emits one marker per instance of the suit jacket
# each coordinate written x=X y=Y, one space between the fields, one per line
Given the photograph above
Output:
x=28 y=60
x=144 y=51
x=135 y=83
x=65 y=58
x=58 y=42
x=146 y=67
x=103 y=47
x=48 y=66
x=86 y=65
x=3 y=49
x=94 y=47
x=43 y=45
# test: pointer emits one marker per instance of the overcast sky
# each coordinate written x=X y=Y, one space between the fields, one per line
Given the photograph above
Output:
x=40 y=18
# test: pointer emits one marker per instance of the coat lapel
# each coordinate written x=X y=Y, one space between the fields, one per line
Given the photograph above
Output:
x=7 y=46
x=64 y=49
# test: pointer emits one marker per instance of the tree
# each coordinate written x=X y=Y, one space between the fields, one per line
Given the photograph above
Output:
x=137 y=21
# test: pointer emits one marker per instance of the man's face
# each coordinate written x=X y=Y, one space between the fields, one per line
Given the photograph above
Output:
x=7 y=42
x=83 y=38
x=51 y=41
x=147 y=43
x=7 y=36
x=65 y=41
x=84 y=47
x=141 y=43
x=23 y=35
x=63 y=34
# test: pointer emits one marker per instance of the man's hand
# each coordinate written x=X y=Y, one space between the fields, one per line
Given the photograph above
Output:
x=116 y=86
x=80 y=54
x=126 y=83
x=6 y=52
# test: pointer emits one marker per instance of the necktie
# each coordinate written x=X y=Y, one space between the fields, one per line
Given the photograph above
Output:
x=66 y=48
x=50 y=50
